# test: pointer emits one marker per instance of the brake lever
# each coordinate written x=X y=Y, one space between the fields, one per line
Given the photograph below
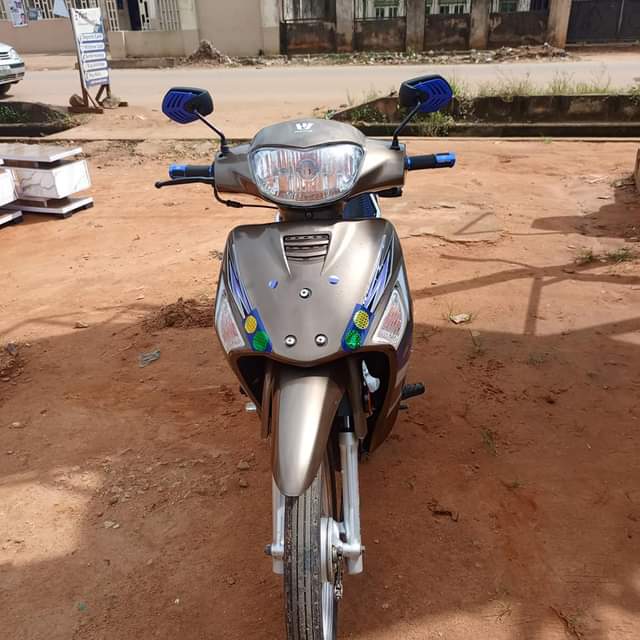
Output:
x=178 y=181
x=211 y=182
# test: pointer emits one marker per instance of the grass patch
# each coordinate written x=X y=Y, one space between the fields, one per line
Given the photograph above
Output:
x=562 y=84
x=623 y=254
x=613 y=256
x=507 y=88
x=585 y=256
x=434 y=124
x=12 y=115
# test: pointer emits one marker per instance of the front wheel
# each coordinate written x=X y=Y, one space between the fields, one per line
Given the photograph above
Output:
x=4 y=89
x=310 y=600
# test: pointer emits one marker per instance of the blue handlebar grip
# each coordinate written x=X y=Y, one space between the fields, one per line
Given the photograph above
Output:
x=446 y=159
x=177 y=171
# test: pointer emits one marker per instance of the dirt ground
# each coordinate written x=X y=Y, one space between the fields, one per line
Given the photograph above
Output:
x=122 y=513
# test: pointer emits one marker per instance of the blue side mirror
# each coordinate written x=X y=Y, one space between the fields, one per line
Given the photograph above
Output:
x=183 y=104
x=432 y=93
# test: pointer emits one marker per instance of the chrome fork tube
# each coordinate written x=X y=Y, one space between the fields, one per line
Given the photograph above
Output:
x=276 y=549
x=352 y=549
x=349 y=544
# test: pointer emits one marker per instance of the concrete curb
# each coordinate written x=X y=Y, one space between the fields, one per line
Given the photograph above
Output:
x=579 y=130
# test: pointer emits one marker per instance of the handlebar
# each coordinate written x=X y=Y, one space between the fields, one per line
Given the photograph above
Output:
x=190 y=171
x=431 y=161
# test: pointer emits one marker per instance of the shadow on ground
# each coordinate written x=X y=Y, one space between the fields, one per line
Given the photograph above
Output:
x=123 y=515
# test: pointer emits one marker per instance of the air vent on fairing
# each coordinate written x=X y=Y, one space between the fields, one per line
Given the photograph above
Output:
x=306 y=247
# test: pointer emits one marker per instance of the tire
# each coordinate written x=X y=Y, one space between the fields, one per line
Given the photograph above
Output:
x=304 y=588
x=4 y=89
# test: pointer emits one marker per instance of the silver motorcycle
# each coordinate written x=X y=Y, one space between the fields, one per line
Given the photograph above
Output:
x=314 y=315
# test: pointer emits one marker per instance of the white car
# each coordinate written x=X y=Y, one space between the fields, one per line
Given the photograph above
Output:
x=11 y=67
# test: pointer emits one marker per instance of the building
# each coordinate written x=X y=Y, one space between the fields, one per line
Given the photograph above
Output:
x=157 y=28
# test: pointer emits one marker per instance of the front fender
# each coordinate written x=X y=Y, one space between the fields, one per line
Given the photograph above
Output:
x=305 y=402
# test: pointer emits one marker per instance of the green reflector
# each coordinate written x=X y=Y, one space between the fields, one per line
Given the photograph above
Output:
x=260 y=341
x=353 y=339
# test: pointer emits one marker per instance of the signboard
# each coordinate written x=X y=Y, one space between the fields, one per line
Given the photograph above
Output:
x=17 y=11
x=91 y=46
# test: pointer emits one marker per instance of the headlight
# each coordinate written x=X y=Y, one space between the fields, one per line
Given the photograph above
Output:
x=14 y=54
x=226 y=327
x=306 y=176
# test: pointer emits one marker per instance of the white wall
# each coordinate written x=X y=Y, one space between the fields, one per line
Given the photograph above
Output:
x=233 y=27
x=159 y=44
x=39 y=36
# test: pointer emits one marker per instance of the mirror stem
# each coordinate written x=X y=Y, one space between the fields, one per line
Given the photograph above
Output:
x=394 y=143
x=224 y=147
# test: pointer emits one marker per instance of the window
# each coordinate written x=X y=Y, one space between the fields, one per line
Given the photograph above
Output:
x=383 y=9
x=508 y=6
x=457 y=7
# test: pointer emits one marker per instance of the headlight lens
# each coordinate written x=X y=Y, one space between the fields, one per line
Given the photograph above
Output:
x=13 y=54
x=306 y=176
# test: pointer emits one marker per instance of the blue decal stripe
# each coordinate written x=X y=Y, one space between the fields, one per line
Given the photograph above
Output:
x=237 y=288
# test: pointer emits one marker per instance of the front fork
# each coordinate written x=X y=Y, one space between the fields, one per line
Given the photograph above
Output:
x=338 y=539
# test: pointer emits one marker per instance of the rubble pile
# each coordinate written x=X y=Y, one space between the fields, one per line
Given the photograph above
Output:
x=206 y=53
x=182 y=314
x=472 y=56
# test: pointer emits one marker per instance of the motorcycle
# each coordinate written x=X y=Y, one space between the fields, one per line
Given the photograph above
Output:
x=314 y=315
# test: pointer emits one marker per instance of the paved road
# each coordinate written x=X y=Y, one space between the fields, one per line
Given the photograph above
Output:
x=315 y=85
x=247 y=98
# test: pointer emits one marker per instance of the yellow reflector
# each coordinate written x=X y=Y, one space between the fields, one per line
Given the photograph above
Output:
x=250 y=324
x=361 y=319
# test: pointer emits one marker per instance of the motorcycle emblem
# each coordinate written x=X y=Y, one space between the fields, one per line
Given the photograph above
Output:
x=304 y=126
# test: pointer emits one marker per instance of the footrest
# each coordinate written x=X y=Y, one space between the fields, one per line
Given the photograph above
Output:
x=412 y=390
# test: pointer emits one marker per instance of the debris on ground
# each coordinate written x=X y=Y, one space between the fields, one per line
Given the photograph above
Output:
x=147 y=358
x=460 y=318
x=243 y=465
x=207 y=53
x=182 y=314
x=439 y=511
x=570 y=623
x=80 y=325
x=10 y=362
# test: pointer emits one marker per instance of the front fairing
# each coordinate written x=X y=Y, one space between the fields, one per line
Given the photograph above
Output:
x=297 y=286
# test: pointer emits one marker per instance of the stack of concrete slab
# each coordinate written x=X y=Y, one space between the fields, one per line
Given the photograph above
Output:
x=7 y=197
x=47 y=179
